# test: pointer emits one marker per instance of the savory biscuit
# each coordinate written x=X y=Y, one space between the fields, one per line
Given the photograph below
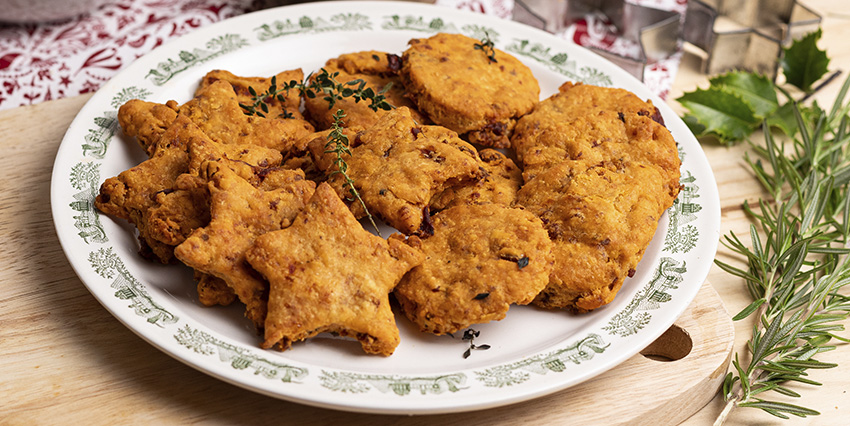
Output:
x=134 y=191
x=588 y=125
x=480 y=260
x=459 y=87
x=398 y=166
x=215 y=109
x=146 y=121
x=376 y=70
x=328 y=274
x=499 y=184
x=239 y=213
x=242 y=87
x=600 y=221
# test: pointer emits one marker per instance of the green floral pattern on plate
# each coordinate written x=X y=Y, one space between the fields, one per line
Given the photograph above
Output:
x=108 y=265
x=556 y=362
x=559 y=62
x=238 y=357
x=398 y=384
x=216 y=47
x=306 y=25
x=635 y=316
x=85 y=177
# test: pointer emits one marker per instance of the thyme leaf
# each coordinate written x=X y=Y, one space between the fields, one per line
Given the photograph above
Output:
x=469 y=335
x=488 y=47
x=323 y=84
x=338 y=144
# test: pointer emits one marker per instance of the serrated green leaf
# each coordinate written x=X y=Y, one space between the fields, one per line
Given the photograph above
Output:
x=723 y=114
x=803 y=63
x=757 y=90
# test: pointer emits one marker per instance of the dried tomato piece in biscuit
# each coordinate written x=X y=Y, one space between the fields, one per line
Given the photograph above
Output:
x=242 y=87
x=480 y=260
x=398 y=166
x=328 y=274
x=376 y=70
x=499 y=183
x=459 y=87
x=239 y=213
x=600 y=221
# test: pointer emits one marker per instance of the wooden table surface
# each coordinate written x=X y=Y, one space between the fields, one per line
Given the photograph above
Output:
x=65 y=359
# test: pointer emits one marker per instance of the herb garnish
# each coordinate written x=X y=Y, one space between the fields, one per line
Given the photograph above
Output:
x=736 y=104
x=324 y=83
x=799 y=260
x=338 y=144
x=470 y=335
x=488 y=47
x=261 y=100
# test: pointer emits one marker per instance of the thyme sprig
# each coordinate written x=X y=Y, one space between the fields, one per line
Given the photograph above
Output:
x=323 y=84
x=488 y=47
x=338 y=144
x=469 y=335
x=798 y=262
x=261 y=100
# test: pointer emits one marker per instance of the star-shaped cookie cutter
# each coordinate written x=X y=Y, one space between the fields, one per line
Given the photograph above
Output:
x=746 y=34
x=655 y=31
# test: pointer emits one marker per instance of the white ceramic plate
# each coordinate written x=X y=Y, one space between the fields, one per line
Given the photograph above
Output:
x=533 y=352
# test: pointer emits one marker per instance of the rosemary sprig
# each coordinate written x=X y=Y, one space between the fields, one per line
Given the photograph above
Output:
x=325 y=84
x=488 y=47
x=798 y=262
x=338 y=144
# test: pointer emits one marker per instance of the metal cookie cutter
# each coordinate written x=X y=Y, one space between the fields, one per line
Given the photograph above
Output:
x=746 y=34
x=655 y=31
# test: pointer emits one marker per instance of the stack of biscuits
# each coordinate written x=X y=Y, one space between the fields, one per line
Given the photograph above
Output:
x=499 y=199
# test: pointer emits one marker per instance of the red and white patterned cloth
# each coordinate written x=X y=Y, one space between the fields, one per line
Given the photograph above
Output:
x=40 y=62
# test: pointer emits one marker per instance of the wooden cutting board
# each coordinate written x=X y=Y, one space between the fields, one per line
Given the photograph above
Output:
x=669 y=381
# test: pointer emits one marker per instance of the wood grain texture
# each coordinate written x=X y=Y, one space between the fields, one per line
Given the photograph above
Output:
x=66 y=360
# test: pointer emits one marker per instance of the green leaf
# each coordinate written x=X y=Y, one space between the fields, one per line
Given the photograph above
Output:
x=803 y=63
x=757 y=90
x=749 y=310
x=724 y=115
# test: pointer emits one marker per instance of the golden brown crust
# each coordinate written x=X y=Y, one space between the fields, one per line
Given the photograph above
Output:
x=377 y=72
x=398 y=166
x=242 y=84
x=601 y=221
x=239 y=213
x=480 y=260
x=458 y=87
x=213 y=291
x=589 y=125
x=215 y=109
x=328 y=274
x=146 y=121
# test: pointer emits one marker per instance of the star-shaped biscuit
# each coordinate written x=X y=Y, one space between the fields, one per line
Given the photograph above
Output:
x=215 y=109
x=328 y=274
x=239 y=213
x=242 y=85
